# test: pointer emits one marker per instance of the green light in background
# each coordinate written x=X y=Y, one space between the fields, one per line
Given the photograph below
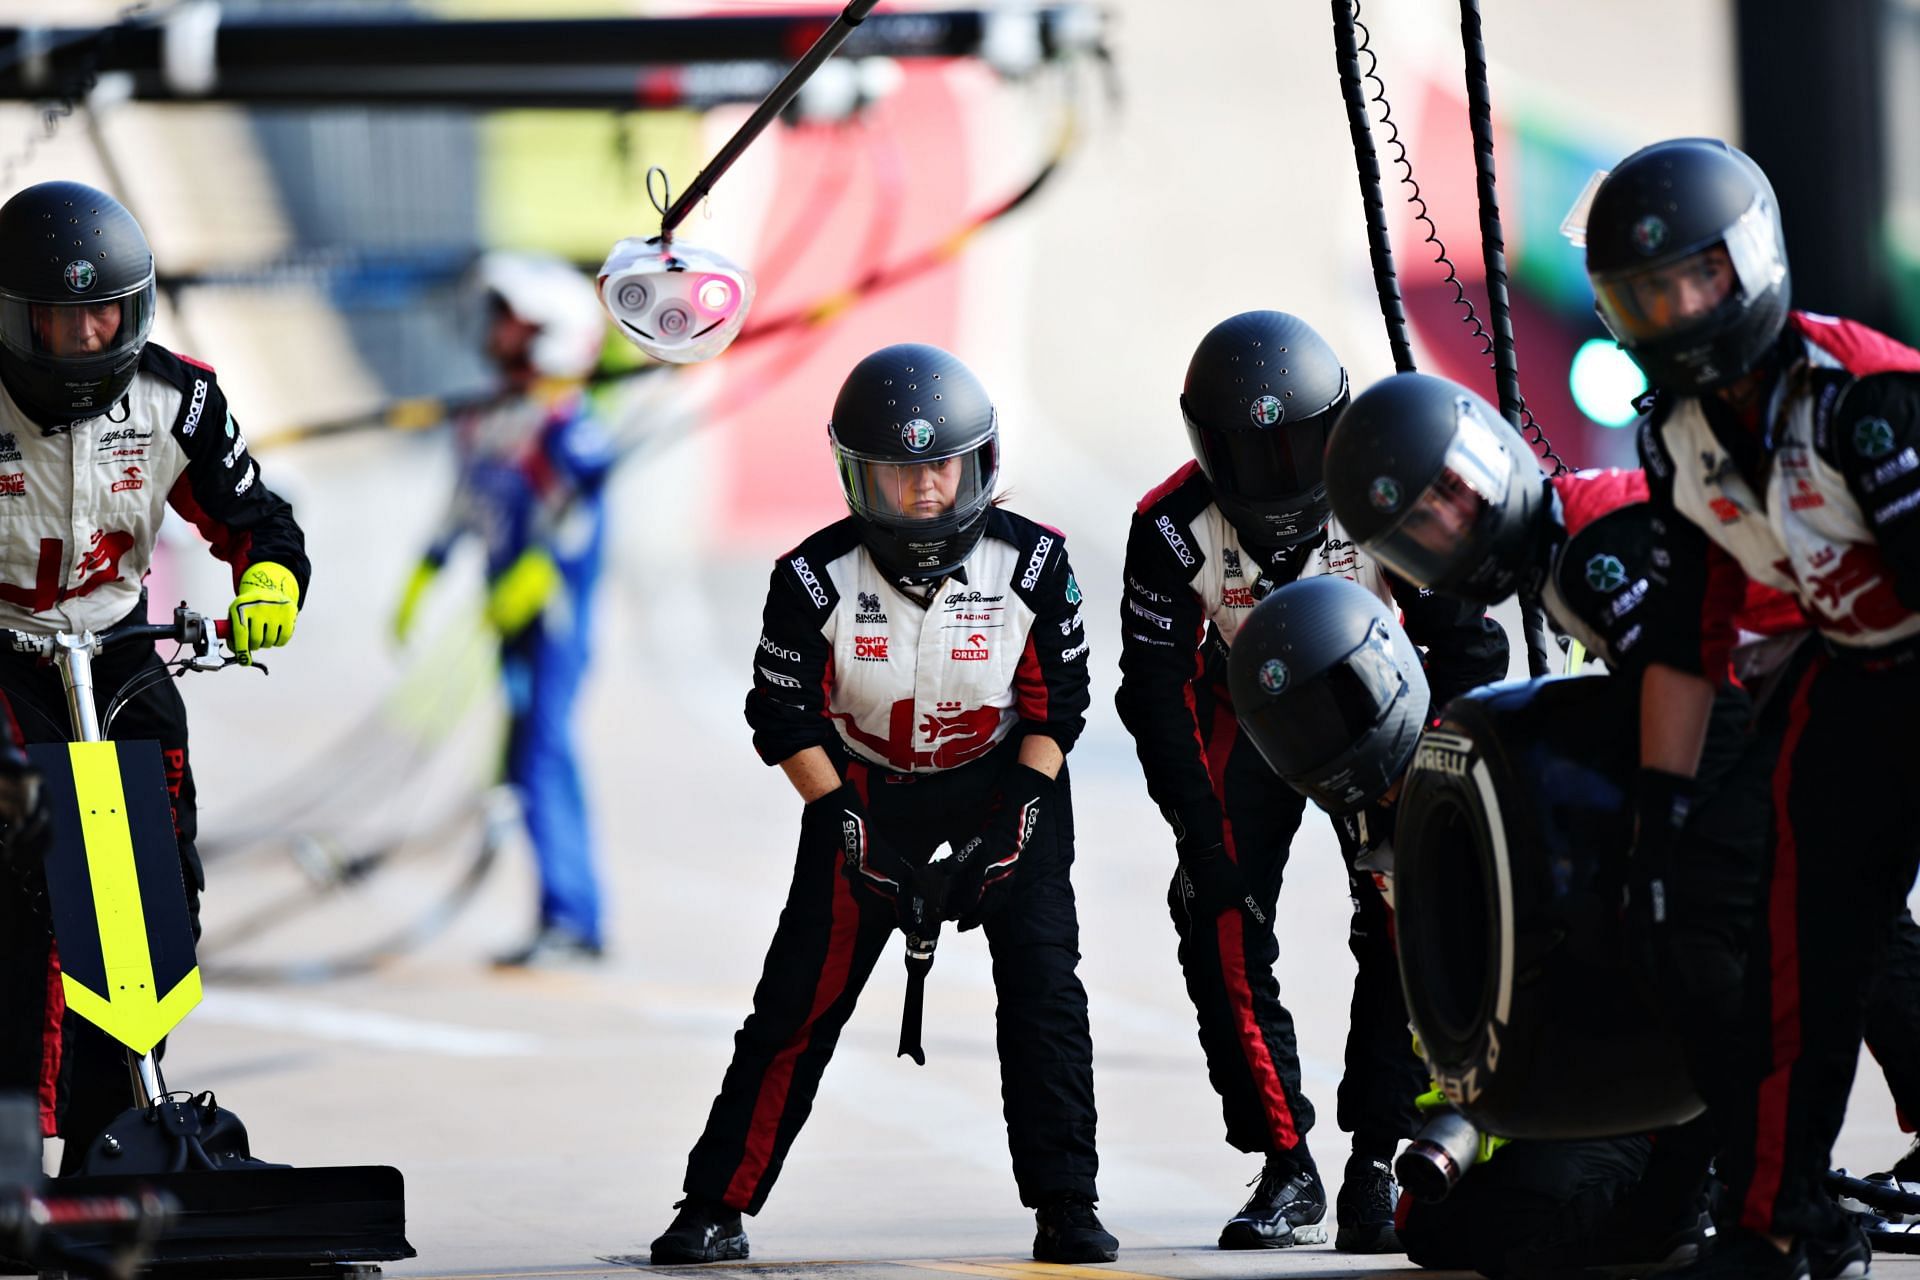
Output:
x=1605 y=382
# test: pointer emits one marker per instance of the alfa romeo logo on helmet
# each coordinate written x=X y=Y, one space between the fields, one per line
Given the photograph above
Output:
x=1650 y=234
x=1873 y=437
x=1384 y=493
x=81 y=276
x=1273 y=675
x=1266 y=411
x=1606 y=573
x=917 y=435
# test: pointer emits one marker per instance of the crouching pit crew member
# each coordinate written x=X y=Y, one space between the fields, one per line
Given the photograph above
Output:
x=1250 y=513
x=921 y=674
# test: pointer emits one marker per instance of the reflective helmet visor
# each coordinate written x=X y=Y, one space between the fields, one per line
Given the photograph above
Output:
x=63 y=332
x=1328 y=715
x=927 y=495
x=1695 y=291
x=1429 y=542
x=1280 y=461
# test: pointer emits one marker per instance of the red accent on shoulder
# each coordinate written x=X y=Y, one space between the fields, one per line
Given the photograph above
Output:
x=1168 y=485
x=198 y=364
x=1585 y=496
x=229 y=544
x=1858 y=349
x=1050 y=529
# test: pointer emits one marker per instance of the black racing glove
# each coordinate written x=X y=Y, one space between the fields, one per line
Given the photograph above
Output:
x=978 y=873
x=1210 y=882
x=874 y=866
x=1661 y=803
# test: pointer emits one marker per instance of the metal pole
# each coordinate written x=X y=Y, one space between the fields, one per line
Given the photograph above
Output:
x=822 y=49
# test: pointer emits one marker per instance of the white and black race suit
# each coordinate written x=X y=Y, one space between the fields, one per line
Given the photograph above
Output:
x=1190 y=583
x=80 y=507
x=922 y=703
x=1817 y=496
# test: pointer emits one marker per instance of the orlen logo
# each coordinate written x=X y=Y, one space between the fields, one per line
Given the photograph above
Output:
x=871 y=648
x=130 y=480
x=811 y=583
x=1036 y=562
x=976 y=650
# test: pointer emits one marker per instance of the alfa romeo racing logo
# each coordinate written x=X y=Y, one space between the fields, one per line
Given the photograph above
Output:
x=917 y=435
x=1265 y=411
x=1273 y=675
x=81 y=276
x=1650 y=234
x=1384 y=493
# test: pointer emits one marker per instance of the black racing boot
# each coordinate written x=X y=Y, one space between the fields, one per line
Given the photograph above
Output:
x=1285 y=1209
x=1840 y=1254
x=703 y=1231
x=1741 y=1255
x=1070 y=1231
x=1364 y=1208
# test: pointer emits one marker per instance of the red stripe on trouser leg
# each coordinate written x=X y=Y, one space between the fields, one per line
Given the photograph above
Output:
x=1233 y=955
x=51 y=1045
x=1783 y=950
x=771 y=1104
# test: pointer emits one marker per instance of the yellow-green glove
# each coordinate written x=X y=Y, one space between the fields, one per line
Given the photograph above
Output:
x=522 y=591
x=264 y=609
x=416 y=590
x=1434 y=1100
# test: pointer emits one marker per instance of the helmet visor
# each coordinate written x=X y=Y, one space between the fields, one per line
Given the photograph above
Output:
x=77 y=331
x=1435 y=537
x=1680 y=294
x=1326 y=716
x=1262 y=464
x=928 y=495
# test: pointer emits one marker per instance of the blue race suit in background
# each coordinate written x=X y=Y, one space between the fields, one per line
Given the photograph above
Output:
x=532 y=480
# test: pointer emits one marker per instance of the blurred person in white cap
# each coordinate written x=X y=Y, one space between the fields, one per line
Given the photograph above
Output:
x=533 y=467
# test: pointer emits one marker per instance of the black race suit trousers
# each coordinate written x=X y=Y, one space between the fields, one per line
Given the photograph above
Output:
x=829 y=937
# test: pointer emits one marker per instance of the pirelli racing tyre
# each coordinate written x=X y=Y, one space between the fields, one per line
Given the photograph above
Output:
x=1513 y=824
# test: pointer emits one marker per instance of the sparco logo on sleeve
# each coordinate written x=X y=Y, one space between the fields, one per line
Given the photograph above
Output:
x=807 y=580
x=195 y=408
x=1179 y=544
x=1036 y=562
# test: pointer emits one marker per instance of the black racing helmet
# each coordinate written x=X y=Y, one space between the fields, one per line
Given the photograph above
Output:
x=1262 y=391
x=76 y=300
x=918 y=446
x=1688 y=262
x=1330 y=690
x=1432 y=480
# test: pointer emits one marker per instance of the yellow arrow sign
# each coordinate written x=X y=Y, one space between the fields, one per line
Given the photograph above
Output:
x=130 y=1010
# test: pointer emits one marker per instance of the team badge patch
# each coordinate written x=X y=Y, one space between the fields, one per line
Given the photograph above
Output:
x=1384 y=494
x=1266 y=411
x=1873 y=437
x=1273 y=675
x=917 y=435
x=81 y=276
x=1606 y=573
